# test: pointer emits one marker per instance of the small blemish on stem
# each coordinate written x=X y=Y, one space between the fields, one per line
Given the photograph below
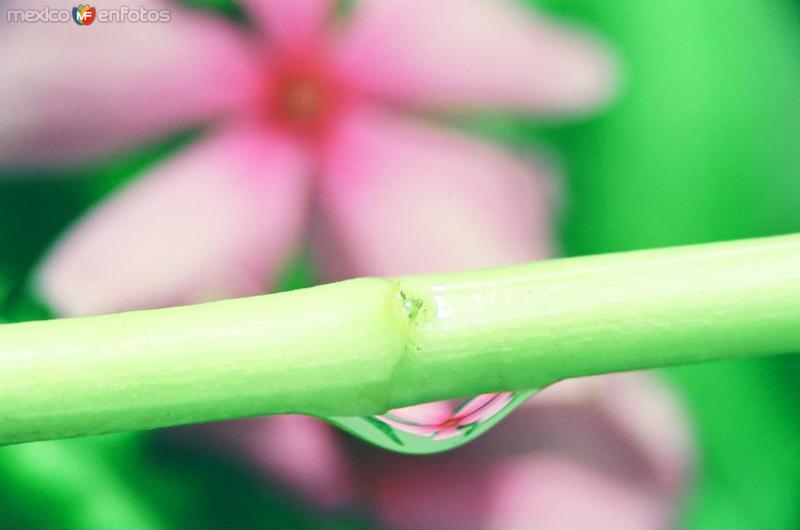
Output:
x=411 y=306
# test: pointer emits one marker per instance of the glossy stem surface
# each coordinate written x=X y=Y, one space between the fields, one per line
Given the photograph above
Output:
x=364 y=346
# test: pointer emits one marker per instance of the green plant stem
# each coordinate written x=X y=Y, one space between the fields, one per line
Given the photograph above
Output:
x=363 y=346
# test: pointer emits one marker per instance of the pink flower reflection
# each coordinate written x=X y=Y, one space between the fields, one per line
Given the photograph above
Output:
x=445 y=419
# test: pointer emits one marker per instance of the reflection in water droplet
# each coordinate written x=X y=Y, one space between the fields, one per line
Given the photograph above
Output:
x=434 y=427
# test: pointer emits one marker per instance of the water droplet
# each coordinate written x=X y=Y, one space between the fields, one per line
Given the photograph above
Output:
x=434 y=427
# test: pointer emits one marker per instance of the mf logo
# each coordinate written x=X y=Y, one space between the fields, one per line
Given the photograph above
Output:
x=84 y=14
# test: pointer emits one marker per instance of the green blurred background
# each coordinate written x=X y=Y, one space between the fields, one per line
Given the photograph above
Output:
x=703 y=145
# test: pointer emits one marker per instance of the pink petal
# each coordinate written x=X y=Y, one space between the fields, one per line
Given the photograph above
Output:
x=445 y=433
x=432 y=492
x=648 y=419
x=301 y=453
x=473 y=405
x=294 y=25
x=484 y=53
x=555 y=493
x=401 y=197
x=483 y=407
x=419 y=430
x=71 y=93
x=426 y=414
x=216 y=221
x=632 y=403
x=305 y=454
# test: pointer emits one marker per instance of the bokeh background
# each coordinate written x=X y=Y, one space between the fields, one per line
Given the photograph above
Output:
x=702 y=144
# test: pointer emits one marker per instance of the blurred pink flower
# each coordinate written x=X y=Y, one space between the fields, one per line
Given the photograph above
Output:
x=610 y=452
x=307 y=119
x=605 y=452
x=309 y=139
